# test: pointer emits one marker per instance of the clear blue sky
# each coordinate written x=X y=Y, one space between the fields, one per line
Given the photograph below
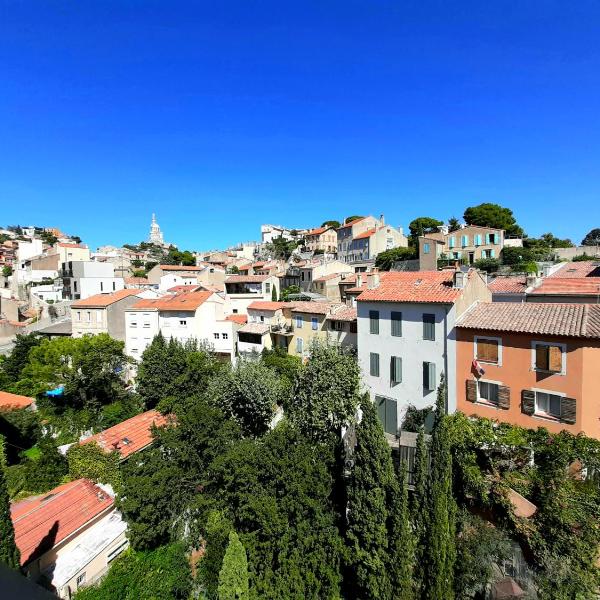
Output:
x=221 y=115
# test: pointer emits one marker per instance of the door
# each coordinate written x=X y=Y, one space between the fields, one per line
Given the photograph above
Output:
x=471 y=257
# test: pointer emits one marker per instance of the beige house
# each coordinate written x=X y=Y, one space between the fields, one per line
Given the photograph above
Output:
x=321 y=240
x=103 y=313
x=69 y=536
x=158 y=271
x=328 y=286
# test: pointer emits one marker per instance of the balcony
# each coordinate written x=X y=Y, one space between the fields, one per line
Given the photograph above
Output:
x=282 y=329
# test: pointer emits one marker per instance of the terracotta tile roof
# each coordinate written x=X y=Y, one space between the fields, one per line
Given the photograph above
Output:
x=184 y=301
x=137 y=281
x=352 y=223
x=508 y=285
x=131 y=435
x=584 y=286
x=571 y=320
x=259 y=263
x=65 y=245
x=178 y=289
x=102 y=300
x=265 y=305
x=246 y=278
x=417 y=286
x=343 y=313
x=366 y=234
x=240 y=319
x=181 y=268
x=257 y=328
x=61 y=512
x=585 y=268
x=318 y=230
x=315 y=308
x=349 y=278
x=328 y=277
x=13 y=401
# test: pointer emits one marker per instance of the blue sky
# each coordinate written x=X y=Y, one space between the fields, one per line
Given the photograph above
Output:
x=219 y=116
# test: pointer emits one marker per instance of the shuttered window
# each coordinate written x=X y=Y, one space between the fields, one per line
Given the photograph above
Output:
x=374 y=321
x=487 y=350
x=396 y=319
x=374 y=364
x=548 y=358
x=548 y=404
x=428 y=326
x=429 y=380
x=387 y=411
x=488 y=392
x=395 y=370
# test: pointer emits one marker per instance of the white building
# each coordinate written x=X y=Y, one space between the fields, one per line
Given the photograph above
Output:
x=25 y=251
x=82 y=279
x=242 y=290
x=185 y=316
x=406 y=336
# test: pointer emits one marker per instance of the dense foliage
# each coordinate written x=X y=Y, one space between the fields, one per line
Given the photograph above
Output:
x=9 y=553
x=488 y=214
x=233 y=578
x=592 y=238
x=385 y=260
x=92 y=462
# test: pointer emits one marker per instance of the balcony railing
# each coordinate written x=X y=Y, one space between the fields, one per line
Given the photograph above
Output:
x=282 y=329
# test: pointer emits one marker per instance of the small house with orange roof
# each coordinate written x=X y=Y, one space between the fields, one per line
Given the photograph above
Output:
x=321 y=240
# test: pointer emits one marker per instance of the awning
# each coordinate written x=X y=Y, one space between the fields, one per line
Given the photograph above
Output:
x=257 y=328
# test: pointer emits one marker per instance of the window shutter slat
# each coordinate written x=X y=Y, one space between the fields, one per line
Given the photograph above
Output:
x=504 y=397
x=527 y=402
x=471 y=390
x=555 y=359
x=568 y=410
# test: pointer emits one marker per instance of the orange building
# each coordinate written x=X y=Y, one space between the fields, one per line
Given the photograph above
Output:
x=532 y=365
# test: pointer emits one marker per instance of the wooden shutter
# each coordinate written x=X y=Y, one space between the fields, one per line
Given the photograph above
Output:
x=527 y=402
x=504 y=397
x=555 y=359
x=471 y=390
x=541 y=357
x=487 y=350
x=568 y=410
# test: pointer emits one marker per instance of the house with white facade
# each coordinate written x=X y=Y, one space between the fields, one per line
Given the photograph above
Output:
x=264 y=317
x=243 y=290
x=407 y=338
x=82 y=279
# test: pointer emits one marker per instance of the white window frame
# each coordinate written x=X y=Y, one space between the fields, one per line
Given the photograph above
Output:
x=485 y=401
x=542 y=414
x=488 y=337
x=563 y=348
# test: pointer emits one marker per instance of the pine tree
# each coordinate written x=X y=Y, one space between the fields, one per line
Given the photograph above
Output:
x=440 y=543
x=233 y=578
x=418 y=504
x=368 y=515
x=402 y=543
x=9 y=553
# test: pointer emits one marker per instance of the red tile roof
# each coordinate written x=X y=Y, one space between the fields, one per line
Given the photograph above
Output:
x=315 y=308
x=584 y=286
x=417 y=286
x=343 y=313
x=185 y=301
x=103 y=300
x=508 y=285
x=585 y=268
x=65 y=245
x=137 y=281
x=57 y=515
x=247 y=278
x=131 y=435
x=13 y=401
x=328 y=277
x=180 y=268
x=184 y=288
x=265 y=305
x=240 y=319
x=365 y=234
x=318 y=230
x=352 y=223
x=572 y=320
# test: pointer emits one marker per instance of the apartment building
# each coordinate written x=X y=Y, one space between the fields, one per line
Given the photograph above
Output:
x=157 y=272
x=531 y=364
x=103 y=313
x=243 y=290
x=264 y=317
x=69 y=536
x=82 y=279
x=321 y=240
x=406 y=336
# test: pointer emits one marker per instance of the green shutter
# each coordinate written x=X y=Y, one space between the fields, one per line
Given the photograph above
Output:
x=396 y=318
x=374 y=366
x=374 y=321
x=391 y=416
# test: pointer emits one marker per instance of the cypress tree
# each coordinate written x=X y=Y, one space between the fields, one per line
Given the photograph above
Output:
x=418 y=505
x=9 y=553
x=440 y=543
x=233 y=578
x=274 y=294
x=153 y=378
x=368 y=515
x=402 y=543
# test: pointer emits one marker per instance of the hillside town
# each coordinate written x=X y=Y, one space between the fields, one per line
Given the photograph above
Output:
x=139 y=382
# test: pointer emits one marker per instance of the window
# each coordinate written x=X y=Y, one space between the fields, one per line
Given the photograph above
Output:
x=74 y=286
x=89 y=316
x=262 y=318
x=396 y=319
x=314 y=321
x=487 y=392
x=374 y=364
x=79 y=315
x=387 y=412
x=99 y=316
x=216 y=336
x=353 y=327
x=426 y=248
x=336 y=325
x=548 y=357
x=428 y=327
x=235 y=311
x=80 y=579
x=374 y=321
x=547 y=404
x=299 y=321
x=395 y=370
x=429 y=380
x=146 y=325
x=487 y=350
x=114 y=286
x=268 y=288
x=116 y=551
x=225 y=336
x=464 y=240
x=101 y=286
x=299 y=345
x=451 y=242
x=183 y=322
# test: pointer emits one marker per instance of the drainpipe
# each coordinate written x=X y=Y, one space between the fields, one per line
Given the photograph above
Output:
x=446 y=356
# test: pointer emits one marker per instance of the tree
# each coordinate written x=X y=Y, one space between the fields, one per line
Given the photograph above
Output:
x=216 y=536
x=14 y=364
x=334 y=224
x=418 y=505
x=553 y=242
x=285 y=293
x=284 y=364
x=325 y=395
x=495 y=216
x=153 y=378
x=592 y=238
x=453 y=224
x=233 y=578
x=234 y=270
x=352 y=218
x=385 y=260
x=7 y=271
x=489 y=265
x=421 y=226
x=9 y=553
x=440 y=540
x=368 y=516
x=280 y=248
x=274 y=294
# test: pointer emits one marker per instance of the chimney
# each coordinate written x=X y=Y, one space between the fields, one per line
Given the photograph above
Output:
x=359 y=279
x=382 y=219
x=459 y=279
x=373 y=279
x=532 y=281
